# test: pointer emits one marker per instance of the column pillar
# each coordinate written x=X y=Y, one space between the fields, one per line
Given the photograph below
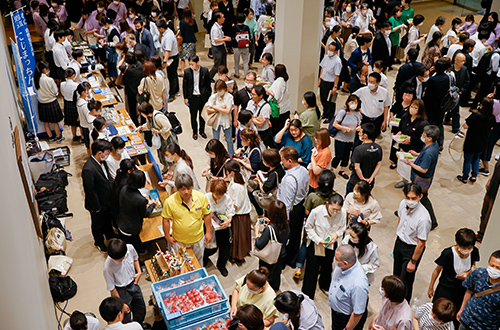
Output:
x=298 y=29
x=490 y=239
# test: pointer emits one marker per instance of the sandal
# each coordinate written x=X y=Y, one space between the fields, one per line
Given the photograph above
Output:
x=473 y=179
x=297 y=274
x=393 y=166
x=461 y=179
x=344 y=175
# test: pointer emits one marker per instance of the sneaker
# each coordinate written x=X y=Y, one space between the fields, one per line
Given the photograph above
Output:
x=101 y=247
x=52 y=139
x=484 y=172
x=60 y=139
x=399 y=184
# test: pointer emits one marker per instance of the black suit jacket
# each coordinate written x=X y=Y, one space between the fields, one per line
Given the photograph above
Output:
x=356 y=83
x=380 y=51
x=96 y=185
x=437 y=87
x=133 y=210
x=204 y=86
x=142 y=48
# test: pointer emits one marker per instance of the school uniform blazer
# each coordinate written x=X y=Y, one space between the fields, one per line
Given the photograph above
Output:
x=380 y=49
x=96 y=185
x=204 y=84
x=357 y=57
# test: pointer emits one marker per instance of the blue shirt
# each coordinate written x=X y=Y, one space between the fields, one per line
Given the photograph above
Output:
x=481 y=313
x=294 y=187
x=348 y=291
x=303 y=146
x=427 y=159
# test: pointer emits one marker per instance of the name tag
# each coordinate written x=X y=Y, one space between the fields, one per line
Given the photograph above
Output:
x=198 y=208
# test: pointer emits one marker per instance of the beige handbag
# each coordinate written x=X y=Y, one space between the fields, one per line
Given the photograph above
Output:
x=271 y=252
x=457 y=144
x=210 y=119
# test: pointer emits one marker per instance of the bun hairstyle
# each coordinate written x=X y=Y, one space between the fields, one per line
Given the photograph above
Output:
x=235 y=167
x=289 y=303
x=259 y=276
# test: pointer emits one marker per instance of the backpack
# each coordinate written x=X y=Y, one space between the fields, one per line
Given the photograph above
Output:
x=52 y=200
x=452 y=97
x=57 y=176
x=62 y=288
x=174 y=122
x=243 y=39
x=331 y=129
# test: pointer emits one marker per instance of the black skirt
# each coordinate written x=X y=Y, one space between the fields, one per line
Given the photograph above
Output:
x=70 y=114
x=50 y=112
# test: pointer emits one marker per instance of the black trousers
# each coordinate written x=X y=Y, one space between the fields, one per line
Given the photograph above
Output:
x=278 y=123
x=324 y=91
x=267 y=137
x=223 y=245
x=339 y=320
x=296 y=222
x=402 y=255
x=131 y=106
x=274 y=272
x=485 y=88
x=220 y=58
x=260 y=48
x=377 y=121
x=173 y=78
x=195 y=107
x=132 y=296
x=102 y=225
x=342 y=153
x=135 y=240
x=313 y=270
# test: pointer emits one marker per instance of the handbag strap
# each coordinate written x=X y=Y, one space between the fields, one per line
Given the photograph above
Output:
x=272 y=234
x=487 y=292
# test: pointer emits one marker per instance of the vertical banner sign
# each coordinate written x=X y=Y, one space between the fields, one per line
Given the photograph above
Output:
x=24 y=60
x=26 y=51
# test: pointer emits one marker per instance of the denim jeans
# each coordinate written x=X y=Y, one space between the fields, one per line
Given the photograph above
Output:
x=470 y=159
x=228 y=137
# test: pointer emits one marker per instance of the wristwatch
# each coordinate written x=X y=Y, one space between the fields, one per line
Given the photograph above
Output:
x=413 y=261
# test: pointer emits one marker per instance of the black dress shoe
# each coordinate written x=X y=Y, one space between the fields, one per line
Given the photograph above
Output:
x=203 y=135
x=223 y=271
x=195 y=136
x=101 y=247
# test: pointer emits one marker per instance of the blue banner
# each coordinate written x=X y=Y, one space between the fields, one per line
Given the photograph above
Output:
x=26 y=51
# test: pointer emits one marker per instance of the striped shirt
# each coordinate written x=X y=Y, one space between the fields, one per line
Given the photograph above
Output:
x=427 y=322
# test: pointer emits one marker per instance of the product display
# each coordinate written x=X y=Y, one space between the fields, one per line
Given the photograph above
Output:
x=191 y=300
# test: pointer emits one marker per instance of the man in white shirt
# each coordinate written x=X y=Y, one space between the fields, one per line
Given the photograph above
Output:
x=170 y=52
x=112 y=310
x=437 y=27
x=479 y=48
x=462 y=36
x=80 y=321
x=331 y=67
x=375 y=102
x=261 y=111
x=61 y=59
x=218 y=47
x=413 y=230
x=292 y=191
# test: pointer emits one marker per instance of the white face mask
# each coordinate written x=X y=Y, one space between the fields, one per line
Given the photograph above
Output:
x=493 y=272
x=347 y=9
x=132 y=16
x=371 y=86
x=387 y=33
x=423 y=139
x=221 y=93
x=252 y=291
x=120 y=151
x=100 y=10
x=329 y=53
x=353 y=106
x=425 y=79
x=411 y=204
x=153 y=14
x=116 y=2
x=304 y=103
x=381 y=291
x=363 y=12
x=354 y=240
x=248 y=85
x=468 y=23
x=168 y=159
x=54 y=5
x=361 y=138
x=420 y=24
x=104 y=158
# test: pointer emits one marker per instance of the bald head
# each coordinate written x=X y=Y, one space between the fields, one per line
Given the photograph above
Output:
x=459 y=60
x=345 y=256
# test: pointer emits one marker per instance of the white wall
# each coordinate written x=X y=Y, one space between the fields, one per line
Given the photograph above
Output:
x=25 y=298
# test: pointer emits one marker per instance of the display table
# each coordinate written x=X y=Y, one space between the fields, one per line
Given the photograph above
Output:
x=105 y=95
x=184 y=269
x=150 y=230
x=135 y=144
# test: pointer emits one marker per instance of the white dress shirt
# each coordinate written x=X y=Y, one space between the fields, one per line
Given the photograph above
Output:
x=61 y=58
x=239 y=196
x=92 y=324
x=223 y=119
x=77 y=67
x=120 y=273
x=169 y=43
x=371 y=209
x=196 y=82
x=47 y=92
x=265 y=111
x=413 y=225
x=372 y=104
x=68 y=88
x=320 y=225
x=478 y=51
x=433 y=29
x=49 y=40
x=370 y=260
x=114 y=165
x=181 y=167
x=216 y=33
x=121 y=326
x=331 y=67
x=86 y=119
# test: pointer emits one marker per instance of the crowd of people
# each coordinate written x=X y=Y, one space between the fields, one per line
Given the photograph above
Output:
x=278 y=161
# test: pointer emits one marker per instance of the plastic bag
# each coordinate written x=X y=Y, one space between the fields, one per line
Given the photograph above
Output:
x=156 y=141
x=60 y=263
x=56 y=240
x=39 y=164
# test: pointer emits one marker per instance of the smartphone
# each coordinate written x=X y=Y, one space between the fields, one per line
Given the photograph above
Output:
x=261 y=176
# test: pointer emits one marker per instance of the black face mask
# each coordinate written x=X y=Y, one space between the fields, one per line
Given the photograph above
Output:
x=139 y=30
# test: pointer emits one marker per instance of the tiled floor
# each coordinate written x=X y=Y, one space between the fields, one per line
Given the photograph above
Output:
x=456 y=205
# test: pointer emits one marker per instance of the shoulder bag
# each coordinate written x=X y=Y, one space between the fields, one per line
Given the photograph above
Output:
x=487 y=292
x=457 y=144
x=331 y=129
x=210 y=119
x=145 y=95
x=275 y=108
x=271 y=252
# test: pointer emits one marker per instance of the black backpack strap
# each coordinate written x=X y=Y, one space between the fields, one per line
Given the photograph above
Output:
x=260 y=108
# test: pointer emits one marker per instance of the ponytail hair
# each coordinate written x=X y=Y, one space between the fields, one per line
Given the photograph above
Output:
x=174 y=148
x=289 y=303
x=42 y=65
x=99 y=123
x=82 y=87
x=235 y=167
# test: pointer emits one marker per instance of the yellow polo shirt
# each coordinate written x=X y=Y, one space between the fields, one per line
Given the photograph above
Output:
x=187 y=224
